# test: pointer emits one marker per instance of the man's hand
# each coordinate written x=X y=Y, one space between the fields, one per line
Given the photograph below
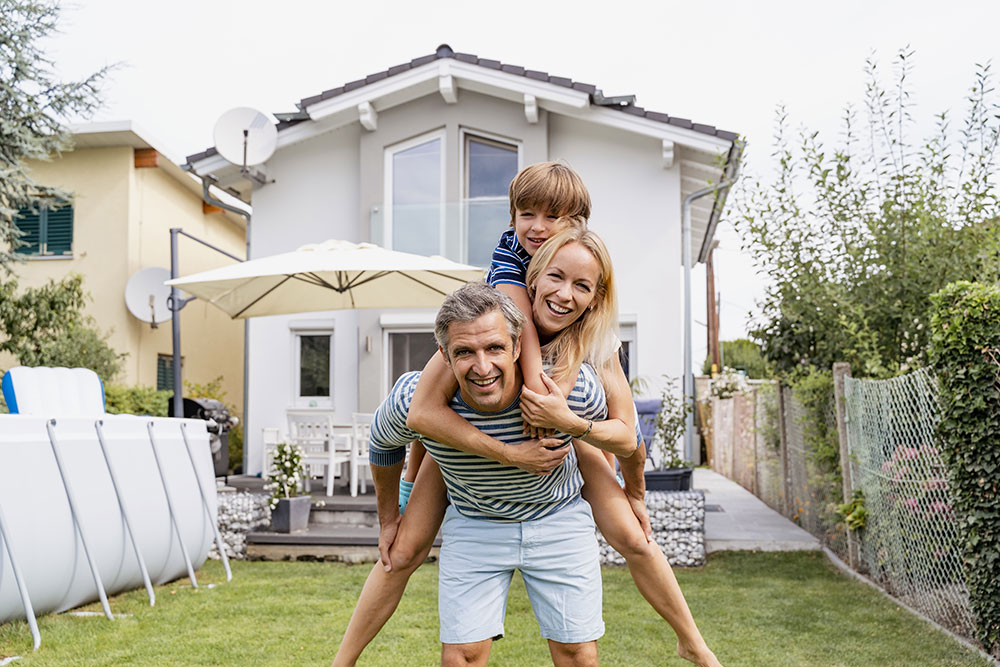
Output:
x=642 y=514
x=534 y=456
x=386 y=536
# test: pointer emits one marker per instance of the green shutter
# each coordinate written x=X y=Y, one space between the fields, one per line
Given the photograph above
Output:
x=59 y=230
x=30 y=225
x=164 y=372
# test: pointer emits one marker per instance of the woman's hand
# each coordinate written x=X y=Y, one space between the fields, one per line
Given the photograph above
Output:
x=550 y=410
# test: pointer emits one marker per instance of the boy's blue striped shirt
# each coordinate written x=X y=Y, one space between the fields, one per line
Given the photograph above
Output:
x=510 y=262
x=478 y=487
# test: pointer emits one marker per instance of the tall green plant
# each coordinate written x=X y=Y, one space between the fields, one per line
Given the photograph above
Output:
x=965 y=353
x=854 y=237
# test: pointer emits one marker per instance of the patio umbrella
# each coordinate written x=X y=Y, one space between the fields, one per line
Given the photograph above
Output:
x=331 y=275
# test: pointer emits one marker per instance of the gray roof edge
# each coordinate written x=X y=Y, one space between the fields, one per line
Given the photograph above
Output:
x=445 y=51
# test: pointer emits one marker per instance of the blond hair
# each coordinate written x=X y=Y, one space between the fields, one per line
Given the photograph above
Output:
x=551 y=186
x=593 y=336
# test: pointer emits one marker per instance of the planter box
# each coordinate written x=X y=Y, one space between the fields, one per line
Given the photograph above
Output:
x=674 y=479
x=292 y=514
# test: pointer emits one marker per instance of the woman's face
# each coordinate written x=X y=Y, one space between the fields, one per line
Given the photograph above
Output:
x=565 y=288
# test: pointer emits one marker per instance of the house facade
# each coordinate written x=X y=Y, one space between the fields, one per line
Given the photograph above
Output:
x=126 y=196
x=418 y=158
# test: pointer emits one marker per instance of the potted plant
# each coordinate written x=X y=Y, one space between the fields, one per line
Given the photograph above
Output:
x=671 y=473
x=289 y=510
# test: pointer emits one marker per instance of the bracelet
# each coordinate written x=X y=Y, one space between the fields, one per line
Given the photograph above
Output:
x=503 y=458
x=590 y=425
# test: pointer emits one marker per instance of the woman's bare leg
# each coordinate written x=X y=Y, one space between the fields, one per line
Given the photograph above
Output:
x=383 y=590
x=417 y=453
x=650 y=569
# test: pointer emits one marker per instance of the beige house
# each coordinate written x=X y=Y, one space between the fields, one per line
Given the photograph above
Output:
x=126 y=197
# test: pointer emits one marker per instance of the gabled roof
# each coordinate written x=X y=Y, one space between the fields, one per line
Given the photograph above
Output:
x=624 y=104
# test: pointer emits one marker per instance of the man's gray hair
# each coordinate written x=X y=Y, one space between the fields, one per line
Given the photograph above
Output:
x=471 y=302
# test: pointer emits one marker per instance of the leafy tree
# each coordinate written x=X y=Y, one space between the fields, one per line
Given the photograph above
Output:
x=32 y=105
x=44 y=326
x=742 y=354
x=856 y=237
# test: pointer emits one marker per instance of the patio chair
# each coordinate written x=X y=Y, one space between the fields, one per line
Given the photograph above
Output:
x=63 y=392
x=323 y=448
x=362 y=423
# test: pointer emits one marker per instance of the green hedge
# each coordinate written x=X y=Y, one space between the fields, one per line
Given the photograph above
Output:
x=965 y=353
x=137 y=400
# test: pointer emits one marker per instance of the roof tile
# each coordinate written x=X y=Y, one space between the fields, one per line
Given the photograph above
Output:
x=398 y=69
x=513 y=69
x=704 y=129
x=353 y=85
x=333 y=92
x=584 y=87
x=377 y=76
x=657 y=116
x=537 y=75
x=492 y=64
x=423 y=60
x=561 y=81
x=634 y=110
x=727 y=135
x=680 y=122
x=466 y=58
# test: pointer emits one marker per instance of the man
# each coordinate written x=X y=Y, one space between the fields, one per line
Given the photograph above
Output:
x=501 y=518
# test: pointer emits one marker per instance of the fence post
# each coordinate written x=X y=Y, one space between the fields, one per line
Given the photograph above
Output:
x=783 y=437
x=842 y=370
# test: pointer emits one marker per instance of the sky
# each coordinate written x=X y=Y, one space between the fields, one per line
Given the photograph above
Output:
x=728 y=63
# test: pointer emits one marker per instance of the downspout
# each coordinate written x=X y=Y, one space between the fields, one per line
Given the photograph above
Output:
x=688 y=383
x=206 y=195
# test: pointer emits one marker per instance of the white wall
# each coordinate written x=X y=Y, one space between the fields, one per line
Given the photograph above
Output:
x=314 y=197
x=637 y=211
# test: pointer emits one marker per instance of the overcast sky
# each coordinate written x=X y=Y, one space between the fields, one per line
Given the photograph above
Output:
x=727 y=63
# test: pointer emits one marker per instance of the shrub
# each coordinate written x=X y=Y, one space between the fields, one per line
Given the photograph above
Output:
x=137 y=400
x=741 y=354
x=965 y=353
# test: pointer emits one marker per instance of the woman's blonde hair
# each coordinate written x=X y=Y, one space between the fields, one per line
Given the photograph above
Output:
x=593 y=336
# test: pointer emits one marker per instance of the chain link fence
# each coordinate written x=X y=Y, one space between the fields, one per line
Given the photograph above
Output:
x=910 y=542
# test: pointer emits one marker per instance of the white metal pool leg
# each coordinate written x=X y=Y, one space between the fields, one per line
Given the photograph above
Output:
x=204 y=503
x=170 y=506
x=50 y=426
x=121 y=504
x=22 y=589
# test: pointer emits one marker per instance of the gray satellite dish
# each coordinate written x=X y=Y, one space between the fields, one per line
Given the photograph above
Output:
x=245 y=136
x=146 y=295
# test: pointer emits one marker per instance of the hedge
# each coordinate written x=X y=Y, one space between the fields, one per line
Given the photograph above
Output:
x=965 y=353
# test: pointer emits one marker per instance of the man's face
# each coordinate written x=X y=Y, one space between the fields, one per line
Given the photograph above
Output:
x=484 y=360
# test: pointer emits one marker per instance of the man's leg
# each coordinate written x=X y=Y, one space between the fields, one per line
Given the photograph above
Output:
x=459 y=655
x=573 y=655
x=383 y=590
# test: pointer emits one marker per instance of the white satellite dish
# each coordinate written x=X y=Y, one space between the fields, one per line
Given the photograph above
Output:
x=245 y=136
x=146 y=295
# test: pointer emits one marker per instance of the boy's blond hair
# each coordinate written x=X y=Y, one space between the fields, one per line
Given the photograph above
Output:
x=551 y=186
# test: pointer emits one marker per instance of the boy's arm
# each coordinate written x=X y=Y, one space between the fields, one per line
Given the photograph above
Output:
x=430 y=415
x=531 y=351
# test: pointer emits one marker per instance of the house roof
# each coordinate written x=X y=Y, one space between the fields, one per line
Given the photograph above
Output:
x=624 y=104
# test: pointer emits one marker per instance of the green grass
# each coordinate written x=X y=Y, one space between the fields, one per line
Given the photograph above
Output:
x=753 y=608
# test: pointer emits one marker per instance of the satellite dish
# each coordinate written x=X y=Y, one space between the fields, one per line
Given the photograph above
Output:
x=146 y=295
x=245 y=136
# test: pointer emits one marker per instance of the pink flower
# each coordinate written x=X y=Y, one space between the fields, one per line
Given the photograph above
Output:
x=940 y=507
x=911 y=503
x=887 y=466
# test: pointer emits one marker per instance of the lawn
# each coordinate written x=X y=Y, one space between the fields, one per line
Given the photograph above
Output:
x=753 y=608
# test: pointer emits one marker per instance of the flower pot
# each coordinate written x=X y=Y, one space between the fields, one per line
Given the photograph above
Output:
x=673 y=479
x=291 y=514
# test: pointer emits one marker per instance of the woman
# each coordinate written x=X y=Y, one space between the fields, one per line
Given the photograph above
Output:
x=574 y=307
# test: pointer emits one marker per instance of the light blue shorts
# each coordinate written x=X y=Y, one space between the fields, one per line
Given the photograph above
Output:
x=558 y=559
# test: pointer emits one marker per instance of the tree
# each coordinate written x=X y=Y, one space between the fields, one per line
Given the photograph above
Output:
x=741 y=354
x=855 y=239
x=45 y=326
x=32 y=105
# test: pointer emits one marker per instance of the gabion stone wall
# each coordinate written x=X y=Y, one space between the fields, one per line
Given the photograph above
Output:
x=678 y=521
x=239 y=513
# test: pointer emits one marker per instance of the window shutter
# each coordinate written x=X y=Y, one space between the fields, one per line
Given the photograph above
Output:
x=164 y=372
x=59 y=230
x=30 y=224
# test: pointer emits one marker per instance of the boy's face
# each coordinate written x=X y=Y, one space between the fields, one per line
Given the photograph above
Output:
x=534 y=226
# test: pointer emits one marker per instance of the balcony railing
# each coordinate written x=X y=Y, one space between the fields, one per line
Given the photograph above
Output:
x=465 y=231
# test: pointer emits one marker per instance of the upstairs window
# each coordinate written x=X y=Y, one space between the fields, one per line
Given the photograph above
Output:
x=490 y=166
x=415 y=195
x=47 y=231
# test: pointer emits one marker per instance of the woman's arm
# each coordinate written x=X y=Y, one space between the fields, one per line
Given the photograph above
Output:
x=615 y=435
x=430 y=415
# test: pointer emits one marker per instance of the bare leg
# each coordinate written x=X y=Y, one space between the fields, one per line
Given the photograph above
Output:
x=477 y=653
x=573 y=655
x=650 y=569
x=383 y=590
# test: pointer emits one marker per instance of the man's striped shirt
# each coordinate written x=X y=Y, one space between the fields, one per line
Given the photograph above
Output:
x=482 y=488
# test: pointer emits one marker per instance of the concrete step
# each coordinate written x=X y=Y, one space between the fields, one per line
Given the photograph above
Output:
x=330 y=542
x=342 y=513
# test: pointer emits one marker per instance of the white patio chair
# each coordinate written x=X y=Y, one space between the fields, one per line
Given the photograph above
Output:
x=271 y=437
x=323 y=449
x=362 y=423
